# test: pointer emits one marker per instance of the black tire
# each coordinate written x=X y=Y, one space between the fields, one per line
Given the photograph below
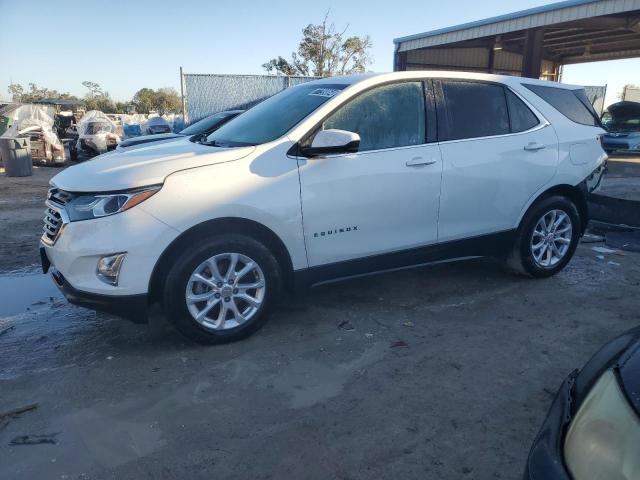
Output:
x=521 y=258
x=174 y=301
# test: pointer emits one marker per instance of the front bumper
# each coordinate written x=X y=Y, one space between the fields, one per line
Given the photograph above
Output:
x=132 y=307
x=620 y=145
x=77 y=249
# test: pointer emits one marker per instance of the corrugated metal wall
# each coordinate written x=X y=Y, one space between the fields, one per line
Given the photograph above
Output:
x=469 y=59
x=631 y=94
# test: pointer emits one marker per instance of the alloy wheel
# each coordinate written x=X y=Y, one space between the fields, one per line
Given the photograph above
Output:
x=551 y=238
x=225 y=291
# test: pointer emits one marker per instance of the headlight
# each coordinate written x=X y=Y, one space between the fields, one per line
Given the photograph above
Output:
x=603 y=441
x=84 y=207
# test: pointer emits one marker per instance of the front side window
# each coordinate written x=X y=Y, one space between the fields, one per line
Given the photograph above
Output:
x=385 y=117
x=274 y=117
x=573 y=104
x=474 y=110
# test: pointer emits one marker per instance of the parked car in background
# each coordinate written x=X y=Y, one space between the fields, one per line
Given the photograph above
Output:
x=197 y=130
x=622 y=121
x=592 y=430
x=37 y=123
x=388 y=170
x=96 y=134
x=46 y=148
x=63 y=121
x=156 y=125
x=116 y=118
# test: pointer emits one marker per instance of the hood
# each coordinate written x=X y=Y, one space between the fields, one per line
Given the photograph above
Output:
x=148 y=165
x=143 y=140
x=624 y=109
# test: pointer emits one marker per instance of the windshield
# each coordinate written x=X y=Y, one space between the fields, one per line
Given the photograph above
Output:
x=96 y=128
x=621 y=123
x=207 y=123
x=275 y=116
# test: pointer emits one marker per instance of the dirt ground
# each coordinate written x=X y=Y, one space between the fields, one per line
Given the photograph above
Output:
x=443 y=372
x=21 y=213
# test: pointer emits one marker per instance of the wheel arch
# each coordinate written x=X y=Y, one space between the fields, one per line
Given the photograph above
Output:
x=575 y=193
x=233 y=225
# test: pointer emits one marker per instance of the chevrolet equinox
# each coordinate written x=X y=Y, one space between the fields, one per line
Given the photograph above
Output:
x=329 y=179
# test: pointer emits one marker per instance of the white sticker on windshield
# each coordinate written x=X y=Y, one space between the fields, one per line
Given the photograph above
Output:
x=325 y=92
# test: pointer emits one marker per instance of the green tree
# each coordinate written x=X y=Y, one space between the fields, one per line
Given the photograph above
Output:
x=94 y=88
x=16 y=91
x=167 y=101
x=35 y=93
x=324 y=51
x=121 y=107
x=162 y=100
x=102 y=102
x=144 y=100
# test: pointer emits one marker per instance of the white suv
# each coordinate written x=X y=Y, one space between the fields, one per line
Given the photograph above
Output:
x=326 y=180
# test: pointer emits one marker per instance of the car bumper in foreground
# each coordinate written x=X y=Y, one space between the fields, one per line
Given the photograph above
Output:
x=546 y=458
x=132 y=307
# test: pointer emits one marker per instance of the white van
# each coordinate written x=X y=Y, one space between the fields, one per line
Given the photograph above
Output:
x=326 y=180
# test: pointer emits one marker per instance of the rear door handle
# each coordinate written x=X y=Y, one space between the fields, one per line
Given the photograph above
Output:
x=533 y=146
x=417 y=161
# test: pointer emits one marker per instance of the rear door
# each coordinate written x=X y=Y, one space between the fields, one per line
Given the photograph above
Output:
x=496 y=154
x=385 y=197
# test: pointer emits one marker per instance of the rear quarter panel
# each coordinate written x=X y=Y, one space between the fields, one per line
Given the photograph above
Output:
x=579 y=147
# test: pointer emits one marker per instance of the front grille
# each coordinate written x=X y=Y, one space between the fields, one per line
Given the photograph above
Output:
x=59 y=197
x=52 y=225
x=54 y=216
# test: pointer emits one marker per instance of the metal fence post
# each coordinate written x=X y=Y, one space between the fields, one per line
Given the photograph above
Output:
x=184 y=109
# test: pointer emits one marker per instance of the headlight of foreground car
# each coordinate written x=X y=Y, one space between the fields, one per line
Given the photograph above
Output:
x=85 y=207
x=603 y=441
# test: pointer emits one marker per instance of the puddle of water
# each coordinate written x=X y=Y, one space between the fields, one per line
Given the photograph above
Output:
x=19 y=292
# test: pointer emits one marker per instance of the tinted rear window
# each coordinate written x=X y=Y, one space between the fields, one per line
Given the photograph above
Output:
x=475 y=110
x=573 y=104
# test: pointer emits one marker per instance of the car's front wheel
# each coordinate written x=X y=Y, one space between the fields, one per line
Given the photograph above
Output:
x=547 y=237
x=222 y=290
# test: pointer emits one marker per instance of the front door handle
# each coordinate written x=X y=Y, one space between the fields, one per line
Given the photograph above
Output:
x=417 y=161
x=534 y=146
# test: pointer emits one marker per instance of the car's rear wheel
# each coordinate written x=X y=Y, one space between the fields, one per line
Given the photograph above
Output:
x=222 y=291
x=547 y=237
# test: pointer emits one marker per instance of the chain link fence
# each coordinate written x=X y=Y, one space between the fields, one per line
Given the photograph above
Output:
x=206 y=94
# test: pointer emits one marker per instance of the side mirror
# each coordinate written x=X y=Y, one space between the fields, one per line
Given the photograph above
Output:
x=332 y=142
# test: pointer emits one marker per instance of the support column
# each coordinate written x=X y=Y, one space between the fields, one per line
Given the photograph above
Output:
x=399 y=61
x=491 y=61
x=532 y=57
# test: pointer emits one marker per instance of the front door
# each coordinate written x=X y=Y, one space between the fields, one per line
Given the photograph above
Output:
x=385 y=197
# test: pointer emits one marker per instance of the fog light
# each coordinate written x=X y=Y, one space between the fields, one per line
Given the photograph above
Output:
x=109 y=268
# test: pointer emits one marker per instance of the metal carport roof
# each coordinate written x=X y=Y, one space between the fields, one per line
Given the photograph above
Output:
x=573 y=31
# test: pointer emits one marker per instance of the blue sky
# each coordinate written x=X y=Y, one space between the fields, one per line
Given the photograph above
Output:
x=127 y=45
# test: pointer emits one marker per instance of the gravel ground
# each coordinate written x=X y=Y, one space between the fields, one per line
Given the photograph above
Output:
x=443 y=372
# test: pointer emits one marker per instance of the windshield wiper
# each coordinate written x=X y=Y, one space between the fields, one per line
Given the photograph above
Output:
x=212 y=143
